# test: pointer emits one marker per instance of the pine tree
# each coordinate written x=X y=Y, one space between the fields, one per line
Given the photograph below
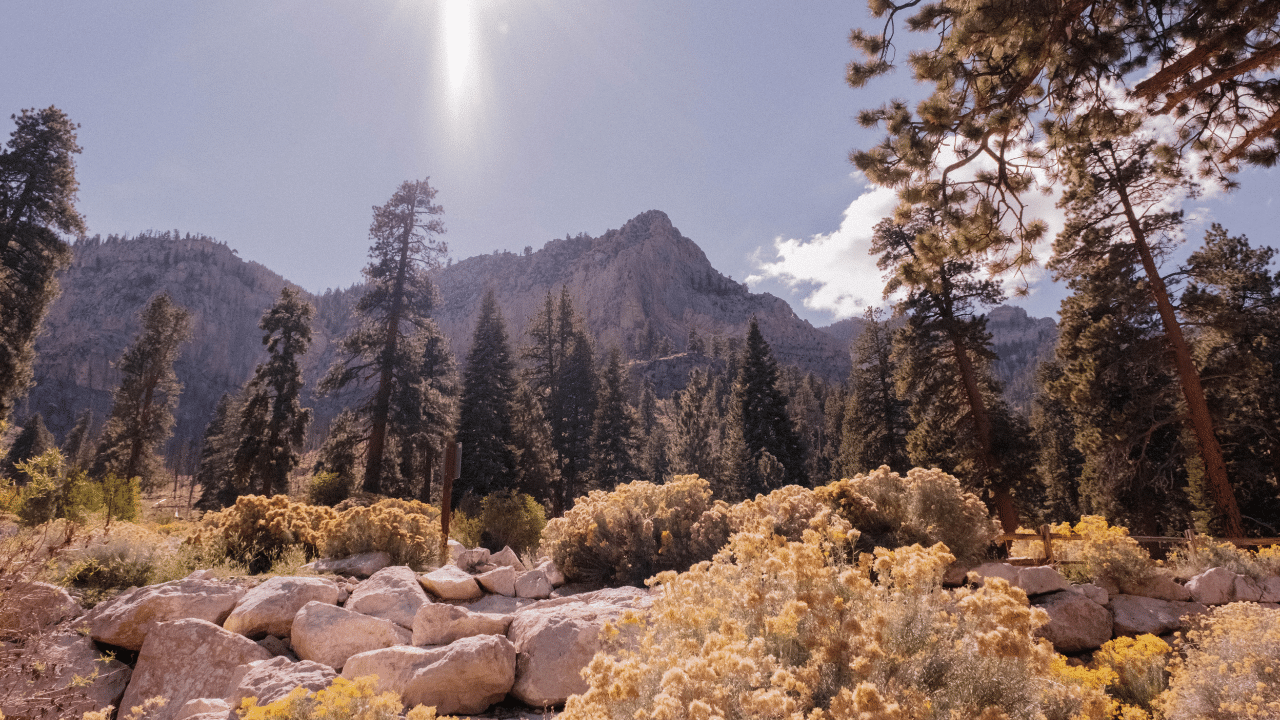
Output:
x=396 y=306
x=272 y=421
x=33 y=441
x=571 y=410
x=214 y=472
x=536 y=466
x=426 y=416
x=693 y=421
x=760 y=413
x=1232 y=304
x=142 y=413
x=959 y=421
x=1059 y=463
x=834 y=412
x=339 y=456
x=876 y=420
x=78 y=449
x=484 y=417
x=37 y=203
x=615 y=444
x=655 y=457
x=805 y=394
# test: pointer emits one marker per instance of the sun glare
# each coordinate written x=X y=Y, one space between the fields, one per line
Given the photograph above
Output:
x=459 y=42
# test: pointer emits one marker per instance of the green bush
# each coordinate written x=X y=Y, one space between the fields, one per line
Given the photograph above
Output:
x=511 y=519
x=115 y=565
x=328 y=488
x=54 y=493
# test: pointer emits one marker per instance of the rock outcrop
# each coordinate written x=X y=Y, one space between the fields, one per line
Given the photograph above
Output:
x=126 y=620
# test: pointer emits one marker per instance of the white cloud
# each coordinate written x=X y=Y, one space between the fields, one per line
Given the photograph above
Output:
x=837 y=264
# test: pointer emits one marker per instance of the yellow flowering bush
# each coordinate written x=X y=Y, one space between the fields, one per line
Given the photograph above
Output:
x=406 y=529
x=925 y=506
x=1138 y=665
x=257 y=527
x=343 y=700
x=773 y=628
x=1207 y=553
x=1109 y=555
x=625 y=536
x=1230 y=667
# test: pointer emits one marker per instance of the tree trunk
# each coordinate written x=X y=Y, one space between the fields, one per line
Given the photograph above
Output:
x=1188 y=377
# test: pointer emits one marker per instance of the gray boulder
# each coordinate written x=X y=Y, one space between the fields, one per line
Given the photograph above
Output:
x=329 y=634
x=1136 y=615
x=126 y=620
x=466 y=676
x=392 y=593
x=440 y=624
x=271 y=680
x=1076 y=623
x=269 y=608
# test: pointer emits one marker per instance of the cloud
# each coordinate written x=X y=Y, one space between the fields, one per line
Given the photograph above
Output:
x=837 y=265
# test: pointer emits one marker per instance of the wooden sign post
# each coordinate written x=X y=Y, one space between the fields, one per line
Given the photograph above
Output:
x=452 y=471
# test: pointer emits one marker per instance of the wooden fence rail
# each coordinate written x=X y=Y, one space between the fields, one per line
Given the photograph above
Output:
x=1046 y=537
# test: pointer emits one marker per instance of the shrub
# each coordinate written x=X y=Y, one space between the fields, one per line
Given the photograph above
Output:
x=779 y=629
x=257 y=529
x=1205 y=553
x=407 y=529
x=328 y=488
x=1230 y=666
x=510 y=519
x=114 y=565
x=1138 y=666
x=926 y=507
x=54 y=493
x=342 y=700
x=1109 y=555
x=625 y=536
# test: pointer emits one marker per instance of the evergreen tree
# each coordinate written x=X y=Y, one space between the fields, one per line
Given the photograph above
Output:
x=273 y=422
x=78 y=449
x=1232 y=304
x=339 y=456
x=142 y=413
x=760 y=413
x=959 y=421
x=615 y=444
x=655 y=458
x=834 y=412
x=37 y=203
x=805 y=394
x=693 y=421
x=1059 y=463
x=396 y=306
x=484 y=417
x=571 y=410
x=536 y=466
x=425 y=419
x=1120 y=389
x=214 y=472
x=33 y=441
x=876 y=419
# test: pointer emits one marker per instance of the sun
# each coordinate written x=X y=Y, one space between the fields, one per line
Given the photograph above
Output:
x=459 y=42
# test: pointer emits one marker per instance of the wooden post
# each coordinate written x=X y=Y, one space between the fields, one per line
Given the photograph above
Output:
x=452 y=471
x=1046 y=537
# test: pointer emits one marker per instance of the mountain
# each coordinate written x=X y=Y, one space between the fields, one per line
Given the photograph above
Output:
x=1021 y=343
x=642 y=280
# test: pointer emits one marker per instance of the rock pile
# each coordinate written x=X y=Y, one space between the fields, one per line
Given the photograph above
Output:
x=1083 y=617
x=461 y=638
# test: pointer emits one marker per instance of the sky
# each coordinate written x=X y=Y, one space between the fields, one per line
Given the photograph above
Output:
x=275 y=127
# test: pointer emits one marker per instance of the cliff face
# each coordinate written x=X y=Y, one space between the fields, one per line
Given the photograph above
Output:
x=1021 y=344
x=644 y=275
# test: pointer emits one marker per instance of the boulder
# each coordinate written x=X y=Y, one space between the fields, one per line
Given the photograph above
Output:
x=277 y=647
x=501 y=580
x=269 y=608
x=1076 y=623
x=1096 y=593
x=126 y=620
x=360 y=565
x=1136 y=614
x=1040 y=580
x=1215 y=586
x=63 y=664
x=270 y=680
x=440 y=624
x=466 y=676
x=455 y=549
x=202 y=708
x=499 y=604
x=533 y=584
x=31 y=607
x=556 y=639
x=1269 y=590
x=392 y=593
x=1246 y=589
x=469 y=560
x=549 y=568
x=187 y=659
x=451 y=583
x=329 y=634
x=1161 y=587
x=506 y=557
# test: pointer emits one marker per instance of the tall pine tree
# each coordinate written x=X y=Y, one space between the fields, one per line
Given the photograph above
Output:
x=876 y=420
x=615 y=443
x=759 y=414
x=37 y=204
x=396 y=306
x=484 y=416
x=142 y=413
x=272 y=421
